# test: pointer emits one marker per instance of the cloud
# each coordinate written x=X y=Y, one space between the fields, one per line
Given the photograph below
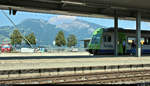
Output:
x=91 y=30
x=75 y=25
x=60 y=19
x=132 y=28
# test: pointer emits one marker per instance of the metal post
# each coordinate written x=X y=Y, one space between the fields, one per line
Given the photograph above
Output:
x=115 y=33
x=138 y=34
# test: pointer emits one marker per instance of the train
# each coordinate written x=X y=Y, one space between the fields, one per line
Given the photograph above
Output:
x=102 y=41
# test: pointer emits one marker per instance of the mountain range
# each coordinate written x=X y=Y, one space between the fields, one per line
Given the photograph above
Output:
x=45 y=31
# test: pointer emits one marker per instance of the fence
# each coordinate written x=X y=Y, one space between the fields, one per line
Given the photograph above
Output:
x=56 y=50
x=52 y=50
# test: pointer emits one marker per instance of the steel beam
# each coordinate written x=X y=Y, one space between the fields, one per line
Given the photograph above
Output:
x=138 y=34
x=115 y=33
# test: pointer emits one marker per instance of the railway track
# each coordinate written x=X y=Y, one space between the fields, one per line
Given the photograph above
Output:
x=91 y=78
x=111 y=80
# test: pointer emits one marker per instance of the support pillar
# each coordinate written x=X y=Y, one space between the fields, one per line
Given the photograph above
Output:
x=138 y=34
x=115 y=33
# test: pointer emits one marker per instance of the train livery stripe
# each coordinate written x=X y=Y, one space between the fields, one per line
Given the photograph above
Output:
x=105 y=51
x=128 y=51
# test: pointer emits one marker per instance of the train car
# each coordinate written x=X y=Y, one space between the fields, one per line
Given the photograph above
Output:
x=102 y=41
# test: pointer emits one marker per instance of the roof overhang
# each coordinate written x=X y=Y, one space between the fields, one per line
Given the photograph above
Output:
x=89 y=8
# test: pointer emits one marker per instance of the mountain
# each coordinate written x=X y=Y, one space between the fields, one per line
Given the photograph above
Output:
x=82 y=29
x=45 y=32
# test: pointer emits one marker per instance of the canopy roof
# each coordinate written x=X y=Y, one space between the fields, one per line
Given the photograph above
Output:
x=111 y=29
x=92 y=8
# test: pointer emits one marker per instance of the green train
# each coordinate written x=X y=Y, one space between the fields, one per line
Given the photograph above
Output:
x=102 y=41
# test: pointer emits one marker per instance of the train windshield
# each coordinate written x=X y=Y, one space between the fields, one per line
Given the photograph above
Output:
x=96 y=39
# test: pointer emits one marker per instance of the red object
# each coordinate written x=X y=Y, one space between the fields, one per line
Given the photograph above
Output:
x=6 y=48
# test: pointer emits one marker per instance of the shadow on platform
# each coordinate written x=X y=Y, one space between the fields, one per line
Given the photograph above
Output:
x=59 y=57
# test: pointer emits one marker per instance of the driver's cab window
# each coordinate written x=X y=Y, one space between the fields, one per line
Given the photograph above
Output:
x=96 y=39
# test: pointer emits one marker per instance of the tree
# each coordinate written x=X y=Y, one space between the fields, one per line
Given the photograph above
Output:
x=71 y=40
x=31 y=38
x=60 y=39
x=16 y=37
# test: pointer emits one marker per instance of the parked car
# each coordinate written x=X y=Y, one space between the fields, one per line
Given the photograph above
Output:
x=74 y=50
x=6 y=48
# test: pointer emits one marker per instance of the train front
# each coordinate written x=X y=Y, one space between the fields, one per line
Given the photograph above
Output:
x=94 y=44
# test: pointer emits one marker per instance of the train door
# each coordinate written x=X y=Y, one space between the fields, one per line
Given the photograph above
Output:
x=121 y=43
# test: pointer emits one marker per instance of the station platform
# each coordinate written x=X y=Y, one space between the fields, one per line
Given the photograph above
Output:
x=32 y=61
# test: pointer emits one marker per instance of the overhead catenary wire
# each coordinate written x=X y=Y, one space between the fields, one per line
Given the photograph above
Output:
x=15 y=27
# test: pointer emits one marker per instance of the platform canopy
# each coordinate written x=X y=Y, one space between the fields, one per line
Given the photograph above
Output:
x=92 y=8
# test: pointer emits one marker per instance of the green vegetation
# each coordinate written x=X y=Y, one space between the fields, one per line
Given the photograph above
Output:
x=71 y=40
x=16 y=37
x=60 y=39
x=31 y=38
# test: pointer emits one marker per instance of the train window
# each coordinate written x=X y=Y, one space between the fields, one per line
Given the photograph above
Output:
x=145 y=41
x=130 y=40
x=93 y=39
x=107 y=38
x=96 y=39
x=148 y=41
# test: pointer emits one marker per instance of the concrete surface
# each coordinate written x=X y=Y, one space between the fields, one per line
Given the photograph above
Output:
x=13 y=61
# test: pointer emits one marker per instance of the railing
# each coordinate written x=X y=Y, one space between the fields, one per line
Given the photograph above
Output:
x=53 y=50
x=74 y=69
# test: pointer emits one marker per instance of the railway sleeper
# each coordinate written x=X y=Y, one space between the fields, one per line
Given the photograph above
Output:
x=109 y=75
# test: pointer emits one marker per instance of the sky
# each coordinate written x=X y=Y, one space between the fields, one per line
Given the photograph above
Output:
x=20 y=16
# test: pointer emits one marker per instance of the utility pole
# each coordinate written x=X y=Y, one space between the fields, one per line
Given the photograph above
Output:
x=16 y=27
